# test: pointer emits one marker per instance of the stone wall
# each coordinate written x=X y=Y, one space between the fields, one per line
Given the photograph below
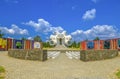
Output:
x=91 y=55
x=32 y=54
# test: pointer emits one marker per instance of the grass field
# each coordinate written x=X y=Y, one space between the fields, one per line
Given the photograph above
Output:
x=2 y=72
x=118 y=74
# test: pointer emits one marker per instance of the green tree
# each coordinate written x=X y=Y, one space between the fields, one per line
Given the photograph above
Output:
x=37 y=38
x=1 y=34
x=78 y=45
x=23 y=38
x=74 y=44
x=44 y=44
x=47 y=45
x=97 y=38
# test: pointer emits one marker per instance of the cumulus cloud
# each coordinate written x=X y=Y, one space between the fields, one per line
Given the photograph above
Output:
x=89 y=15
x=14 y=30
x=30 y=38
x=43 y=26
x=10 y=37
x=95 y=1
x=102 y=31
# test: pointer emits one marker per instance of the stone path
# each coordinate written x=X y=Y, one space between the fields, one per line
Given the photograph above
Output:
x=59 y=68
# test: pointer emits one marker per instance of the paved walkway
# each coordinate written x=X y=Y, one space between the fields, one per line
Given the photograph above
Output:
x=59 y=68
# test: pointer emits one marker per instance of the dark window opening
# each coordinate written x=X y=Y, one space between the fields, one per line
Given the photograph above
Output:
x=107 y=44
x=60 y=41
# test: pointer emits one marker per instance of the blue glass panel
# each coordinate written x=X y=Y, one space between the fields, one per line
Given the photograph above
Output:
x=107 y=44
x=18 y=44
x=90 y=45
x=118 y=42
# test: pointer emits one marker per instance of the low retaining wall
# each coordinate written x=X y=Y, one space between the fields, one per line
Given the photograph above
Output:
x=91 y=55
x=32 y=54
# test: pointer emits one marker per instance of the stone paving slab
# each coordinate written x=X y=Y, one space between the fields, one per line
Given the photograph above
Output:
x=59 y=68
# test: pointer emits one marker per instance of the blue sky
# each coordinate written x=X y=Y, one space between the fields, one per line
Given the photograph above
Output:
x=82 y=19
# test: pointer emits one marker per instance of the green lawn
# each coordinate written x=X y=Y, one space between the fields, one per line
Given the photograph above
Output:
x=2 y=69
x=2 y=72
x=75 y=48
x=1 y=77
x=118 y=74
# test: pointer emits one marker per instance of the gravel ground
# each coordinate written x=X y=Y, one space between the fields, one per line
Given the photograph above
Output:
x=59 y=68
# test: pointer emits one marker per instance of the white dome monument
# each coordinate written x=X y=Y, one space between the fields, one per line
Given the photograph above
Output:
x=62 y=39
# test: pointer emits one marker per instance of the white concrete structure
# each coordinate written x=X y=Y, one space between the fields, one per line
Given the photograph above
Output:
x=37 y=45
x=53 y=54
x=73 y=54
x=60 y=39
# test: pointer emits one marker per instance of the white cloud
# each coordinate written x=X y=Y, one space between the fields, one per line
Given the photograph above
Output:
x=54 y=29
x=102 y=31
x=95 y=1
x=43 y=26
x=14 y=30
x=11 y=1
x=89 y=15
x=74 y=7
x=30 y=38
x=10 y=37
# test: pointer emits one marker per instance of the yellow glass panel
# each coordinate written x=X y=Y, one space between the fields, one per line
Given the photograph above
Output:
x=4 y=43
x=3 y=46
x=1 y=41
